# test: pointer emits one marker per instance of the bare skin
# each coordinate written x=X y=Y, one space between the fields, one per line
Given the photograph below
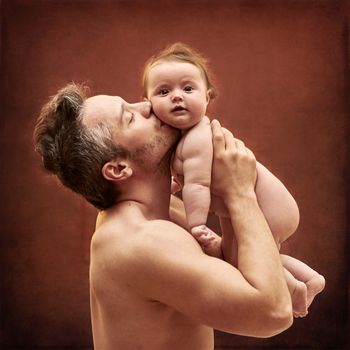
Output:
x=303 y=282
x=157 y=325
x=313 y=285
x=179 y=97
x=193 y=156
x=150 y=277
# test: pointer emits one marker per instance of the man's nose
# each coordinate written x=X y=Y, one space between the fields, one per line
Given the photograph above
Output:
x=144 y=108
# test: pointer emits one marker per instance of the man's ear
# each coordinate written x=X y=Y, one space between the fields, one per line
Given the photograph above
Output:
x=116 y=170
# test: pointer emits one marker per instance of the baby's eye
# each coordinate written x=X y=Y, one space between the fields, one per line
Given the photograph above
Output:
x=132 y=118
x=188 y=88
x=163 y=92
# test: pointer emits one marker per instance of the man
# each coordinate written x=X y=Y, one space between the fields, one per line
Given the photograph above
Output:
x=152 y=287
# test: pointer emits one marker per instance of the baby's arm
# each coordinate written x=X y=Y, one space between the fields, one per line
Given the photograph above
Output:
x=197 y=154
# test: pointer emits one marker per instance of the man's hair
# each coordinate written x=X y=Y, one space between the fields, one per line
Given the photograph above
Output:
x=74 y=152
x=179 y=52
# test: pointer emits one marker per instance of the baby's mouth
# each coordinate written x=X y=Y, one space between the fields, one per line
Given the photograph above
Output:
x=178 y=108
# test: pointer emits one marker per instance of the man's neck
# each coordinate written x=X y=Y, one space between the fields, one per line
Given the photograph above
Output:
x=150 y=193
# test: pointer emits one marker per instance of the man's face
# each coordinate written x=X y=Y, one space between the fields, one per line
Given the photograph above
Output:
x=135 y=127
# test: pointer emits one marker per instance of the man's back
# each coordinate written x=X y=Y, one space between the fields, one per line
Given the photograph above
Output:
x=122 y=316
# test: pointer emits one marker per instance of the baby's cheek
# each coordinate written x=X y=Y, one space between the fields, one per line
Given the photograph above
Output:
x=155 y=103
x=159 y=109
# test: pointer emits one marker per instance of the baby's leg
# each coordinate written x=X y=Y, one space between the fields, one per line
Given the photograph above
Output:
x=314 y=282
x=277 y=204
x=298 y=292
x=208 y=240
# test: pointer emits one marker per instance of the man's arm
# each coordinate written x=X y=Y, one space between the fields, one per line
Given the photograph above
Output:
x=252 y=233
x=169 y=267
x=278 y=206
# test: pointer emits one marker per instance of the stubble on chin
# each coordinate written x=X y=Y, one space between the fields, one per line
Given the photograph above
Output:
x=145 y=155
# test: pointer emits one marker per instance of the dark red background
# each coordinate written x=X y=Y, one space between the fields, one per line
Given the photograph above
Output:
x=281 y=69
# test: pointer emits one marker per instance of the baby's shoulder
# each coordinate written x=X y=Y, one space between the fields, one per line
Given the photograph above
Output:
x=202 y=128
x=199 y=134
x=203 y=123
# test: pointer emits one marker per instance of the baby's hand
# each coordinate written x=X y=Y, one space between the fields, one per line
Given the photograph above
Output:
x=209 y=241
x=175 y=185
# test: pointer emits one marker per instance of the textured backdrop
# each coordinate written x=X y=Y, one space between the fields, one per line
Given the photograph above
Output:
x=281 y=68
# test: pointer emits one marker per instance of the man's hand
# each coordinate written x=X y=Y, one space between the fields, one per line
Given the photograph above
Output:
x=234 y=166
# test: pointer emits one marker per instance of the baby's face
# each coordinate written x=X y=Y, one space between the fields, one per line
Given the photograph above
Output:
x=178 y=93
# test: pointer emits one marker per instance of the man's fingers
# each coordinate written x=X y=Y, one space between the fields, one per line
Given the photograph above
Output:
x=250 y=153
x=240 y=145
x=232 y=143
x=224 y=138
x=218 y=136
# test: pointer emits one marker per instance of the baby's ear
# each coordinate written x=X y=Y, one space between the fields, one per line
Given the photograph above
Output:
x=208 y=96
x=116 y=170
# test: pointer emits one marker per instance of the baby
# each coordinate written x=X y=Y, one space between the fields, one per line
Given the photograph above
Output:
x=177 y=83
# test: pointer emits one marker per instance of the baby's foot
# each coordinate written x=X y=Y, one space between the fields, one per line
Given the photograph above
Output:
x=209 y=241
x=299 y=300
x=314 y=286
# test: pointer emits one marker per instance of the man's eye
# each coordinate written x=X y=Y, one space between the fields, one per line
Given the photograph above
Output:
x=188 y=88
x=163 y=92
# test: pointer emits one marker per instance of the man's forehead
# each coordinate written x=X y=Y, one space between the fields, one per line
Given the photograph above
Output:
x=100 y=107
x=101 y=101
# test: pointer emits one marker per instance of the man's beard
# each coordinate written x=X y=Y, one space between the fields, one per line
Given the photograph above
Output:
x=144 y=156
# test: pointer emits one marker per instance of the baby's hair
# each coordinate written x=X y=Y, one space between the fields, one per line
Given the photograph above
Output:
x=179 y=52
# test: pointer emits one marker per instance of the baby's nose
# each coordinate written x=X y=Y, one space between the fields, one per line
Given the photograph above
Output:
x=177 y=96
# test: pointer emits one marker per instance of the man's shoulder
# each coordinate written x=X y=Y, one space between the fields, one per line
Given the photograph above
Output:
x=149 y=236
x=162 y=234
x=154 y=243
x=157 y=226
